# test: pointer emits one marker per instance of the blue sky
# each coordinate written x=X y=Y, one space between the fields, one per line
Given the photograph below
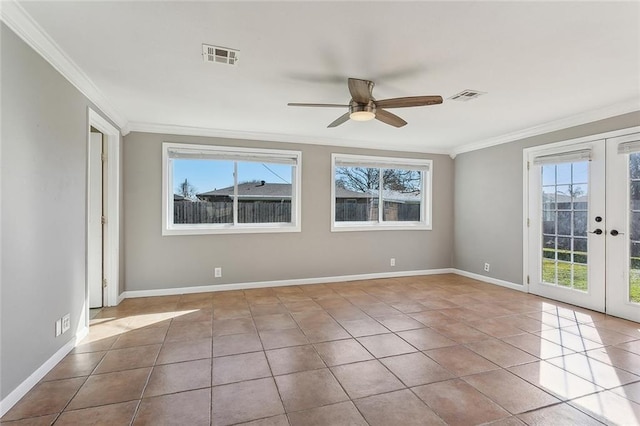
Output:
x=207 y=175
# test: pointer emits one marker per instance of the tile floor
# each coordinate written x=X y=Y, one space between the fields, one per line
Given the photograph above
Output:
x=410 y=351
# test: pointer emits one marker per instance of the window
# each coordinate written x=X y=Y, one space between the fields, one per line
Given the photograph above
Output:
x=380 y=193
x=212 y=189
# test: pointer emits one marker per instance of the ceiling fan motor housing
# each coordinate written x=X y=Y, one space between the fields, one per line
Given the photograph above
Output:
x=362 y=112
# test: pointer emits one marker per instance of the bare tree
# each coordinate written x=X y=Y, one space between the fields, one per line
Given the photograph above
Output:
x=363 y=179
x=187 y=190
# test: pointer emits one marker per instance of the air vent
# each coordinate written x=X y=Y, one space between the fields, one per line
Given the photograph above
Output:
x=466 y=95
x=220 y=55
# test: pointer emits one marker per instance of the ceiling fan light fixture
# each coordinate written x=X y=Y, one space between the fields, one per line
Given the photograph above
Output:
x=359 y=112
x=362 y=115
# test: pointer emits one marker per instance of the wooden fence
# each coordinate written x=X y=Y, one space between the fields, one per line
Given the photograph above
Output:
x=222 y=212
x=361 y=212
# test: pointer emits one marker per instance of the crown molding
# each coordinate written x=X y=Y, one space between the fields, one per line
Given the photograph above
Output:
x=632 y=105
x=20 y=22
x=274 y=137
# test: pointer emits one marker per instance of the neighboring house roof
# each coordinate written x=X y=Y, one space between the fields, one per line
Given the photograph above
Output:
x=283 y=190
x=253 y=190
x=177 y=197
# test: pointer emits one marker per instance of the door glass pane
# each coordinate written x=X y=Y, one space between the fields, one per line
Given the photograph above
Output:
x=634 y=228
x=564 y=224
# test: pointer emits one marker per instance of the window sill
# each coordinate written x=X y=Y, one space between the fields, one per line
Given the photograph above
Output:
x=368 y=226
x=230 y=229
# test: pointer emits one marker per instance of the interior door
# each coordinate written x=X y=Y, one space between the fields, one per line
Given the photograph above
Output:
x=623 y=227
x=95 y=234
x=566 y=224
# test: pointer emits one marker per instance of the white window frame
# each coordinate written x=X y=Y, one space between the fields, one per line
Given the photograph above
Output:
x=237 y=154
x=423 y=165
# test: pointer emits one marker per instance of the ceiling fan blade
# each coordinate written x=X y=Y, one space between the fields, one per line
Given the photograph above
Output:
x=318 y=105
x=360 y=90
x=409 y=101
x=338 y=121
x=388 y=118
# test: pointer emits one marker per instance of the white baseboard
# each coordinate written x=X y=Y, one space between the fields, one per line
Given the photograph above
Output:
x=280 y=283
x=24 y=387
x=489 y=280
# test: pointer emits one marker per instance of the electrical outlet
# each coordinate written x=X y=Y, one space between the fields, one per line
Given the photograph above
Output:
x=58 y=327
x=393 y=261
x=217 y=272
x=487 y=267
x=66 y=322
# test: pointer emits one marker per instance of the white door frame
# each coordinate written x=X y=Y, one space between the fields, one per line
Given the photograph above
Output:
x=111 y=135
x=525 y=185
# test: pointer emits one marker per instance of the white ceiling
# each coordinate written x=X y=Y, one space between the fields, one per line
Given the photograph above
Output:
x=540 y=62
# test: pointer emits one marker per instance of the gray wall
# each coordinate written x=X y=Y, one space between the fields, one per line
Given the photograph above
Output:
x=157 y=262
x=43 y=224
x=488 y=200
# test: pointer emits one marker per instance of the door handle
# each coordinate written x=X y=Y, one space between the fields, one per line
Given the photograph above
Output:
x=597 y=231
x=615 y=232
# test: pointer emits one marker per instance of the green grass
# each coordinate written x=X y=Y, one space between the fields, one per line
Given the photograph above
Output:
x=580 y=281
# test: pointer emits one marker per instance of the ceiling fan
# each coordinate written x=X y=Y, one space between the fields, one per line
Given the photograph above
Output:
x=363 y=106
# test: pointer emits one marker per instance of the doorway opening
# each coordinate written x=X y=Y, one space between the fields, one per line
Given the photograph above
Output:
x=103 y=215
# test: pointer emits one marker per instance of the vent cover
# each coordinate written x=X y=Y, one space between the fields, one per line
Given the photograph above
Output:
x=467 y=95
x=220 y=55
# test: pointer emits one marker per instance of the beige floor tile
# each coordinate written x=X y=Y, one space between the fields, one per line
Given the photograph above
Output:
x=141 y=337
x=630 y=391
x=461 y=361
x=75 y=365
x=188 y=350
x=459 y=403
x=383 y=345
x=561 y=414
x=366 y=378
x=617 y=357
x=33 y=421
x=430 y=318
x=184 y=408
x=501 y=353
x=497 y=327
x=178 y=377
x=309 y=389
x=537 y=346
x=326 y=333
x=45 y=398
x=510 y=392
x=274 y=322
x=399 y=322
x=594 y=371
x=196 y=314
x=343 y=413
x=342 y=352
x=554 y=380
x=569 y=340
x=426 y=338
x=599 y=334
x=111 y=388
x=280 y=420
x=237 y=368
x=112 y=414
x=236 y=344
x=274 y=339
x=268 y=309
x=294 y=359
x=460 y=332
x=226 y=327
x=416 y=369
x=397 y=408
x=188 y=330
x=128 y=358
x=245 y=401
x=609 y=408
x=363 y=327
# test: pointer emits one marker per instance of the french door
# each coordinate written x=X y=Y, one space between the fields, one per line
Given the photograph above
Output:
x=583 y=233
